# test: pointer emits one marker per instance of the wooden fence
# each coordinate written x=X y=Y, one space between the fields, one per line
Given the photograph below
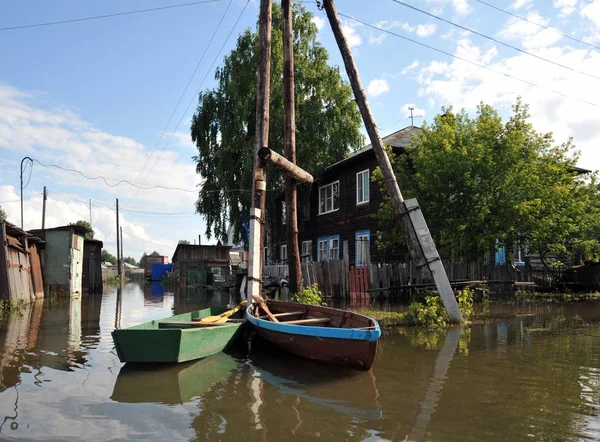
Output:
x=337 y=278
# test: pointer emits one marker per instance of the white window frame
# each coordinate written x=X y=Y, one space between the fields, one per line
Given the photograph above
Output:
x=328 y=248
x=333 y=209
x=283 y=252
x=306 y=250
x=362 y=238
x=362 y=195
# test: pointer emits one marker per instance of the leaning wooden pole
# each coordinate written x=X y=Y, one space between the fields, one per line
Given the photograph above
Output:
x=289 y=136
x=424 y=259
x=257 y=211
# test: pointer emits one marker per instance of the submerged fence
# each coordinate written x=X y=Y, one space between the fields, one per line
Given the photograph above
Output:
x=338 y=278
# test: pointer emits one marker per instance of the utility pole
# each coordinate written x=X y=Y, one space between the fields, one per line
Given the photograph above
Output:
x=44 y=198
x=199 y=240
x=90 y=213
x=418 y=239
x=21 y=175
x=121 y=253
x=289 y=135
x=118 y=244
x=257 y=211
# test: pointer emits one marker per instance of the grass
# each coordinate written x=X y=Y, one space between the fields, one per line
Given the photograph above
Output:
x=115 y=280
x=384 y=317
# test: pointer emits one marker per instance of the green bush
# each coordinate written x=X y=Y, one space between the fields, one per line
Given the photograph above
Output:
x=431 y=311
x=309 y=295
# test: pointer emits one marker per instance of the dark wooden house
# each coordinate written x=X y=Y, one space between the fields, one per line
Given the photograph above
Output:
x=341 y=206
x=192 y=263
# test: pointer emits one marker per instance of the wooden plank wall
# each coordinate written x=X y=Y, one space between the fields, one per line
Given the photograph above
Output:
x=337 y=278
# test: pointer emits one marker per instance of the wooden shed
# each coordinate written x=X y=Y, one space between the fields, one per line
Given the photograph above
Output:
x=92 y=266
x=62 y=259
x=16 y=267
x=192 y=264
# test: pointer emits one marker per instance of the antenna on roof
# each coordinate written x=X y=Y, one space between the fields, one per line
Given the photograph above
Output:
x=412 y=122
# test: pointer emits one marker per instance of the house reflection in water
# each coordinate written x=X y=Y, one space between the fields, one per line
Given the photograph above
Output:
x=50 y=334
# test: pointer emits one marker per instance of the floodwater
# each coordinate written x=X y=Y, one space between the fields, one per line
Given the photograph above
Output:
x=532 y=372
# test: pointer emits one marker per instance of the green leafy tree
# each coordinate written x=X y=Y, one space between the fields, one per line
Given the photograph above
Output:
x=3 y=214
x=106 y=256
x=130 y=260
x=143 y=258
x=223 y=127
x=482 y=182
x=87 y=225
x=183 y=241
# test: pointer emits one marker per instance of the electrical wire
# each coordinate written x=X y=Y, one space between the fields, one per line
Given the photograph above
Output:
x=98 y=17
x=198 y=90
x=464 y=28
x=119 y=182
x=467 y=61
x=556 y=31
x=184 y=90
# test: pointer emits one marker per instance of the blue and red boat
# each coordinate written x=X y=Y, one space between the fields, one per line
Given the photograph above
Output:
x=322 y=334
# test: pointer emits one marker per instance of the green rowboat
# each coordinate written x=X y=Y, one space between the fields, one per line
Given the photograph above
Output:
x=177 y=338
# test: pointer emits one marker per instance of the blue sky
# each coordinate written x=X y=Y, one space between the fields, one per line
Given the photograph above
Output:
x=96 y=95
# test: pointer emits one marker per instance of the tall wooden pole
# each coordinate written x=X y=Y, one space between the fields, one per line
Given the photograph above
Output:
x=289 y=135
x=121 y=233
x=257 y=212
x=118 y=243
x=44 y=198
x=414 y=243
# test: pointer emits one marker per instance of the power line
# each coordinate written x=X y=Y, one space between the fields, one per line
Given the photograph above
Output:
x=467 y=61
x=198 y=90
x=538 y=24
x=494 y=39
x=98 y=17
x=119 y=182
x=185 y=90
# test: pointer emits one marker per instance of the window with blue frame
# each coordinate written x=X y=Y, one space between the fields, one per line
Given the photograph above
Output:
x=363 y=239
x=328 y=248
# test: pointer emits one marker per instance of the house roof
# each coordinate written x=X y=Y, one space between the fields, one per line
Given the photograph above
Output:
x=129 y=266
x=81 y=230
x=400 y=139
x=196 y=246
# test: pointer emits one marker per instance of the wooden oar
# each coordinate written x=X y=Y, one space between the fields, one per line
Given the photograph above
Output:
x=263 y=304
x=223 y=316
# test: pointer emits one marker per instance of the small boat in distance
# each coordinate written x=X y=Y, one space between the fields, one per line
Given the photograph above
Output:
x=319 y=333
x=180 y=338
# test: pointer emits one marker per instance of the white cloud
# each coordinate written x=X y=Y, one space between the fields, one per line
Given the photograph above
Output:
x=60 y=136
x=592 y=12
x=318 y=21
x=353 y=37
x=377 y=39
x=522 y=4
x=567 y=7
x=461 y=7
x=388 y=25
x=410 y=67
x=529 y=35
x=426 y=30
x=463 y=85
x=378 y=87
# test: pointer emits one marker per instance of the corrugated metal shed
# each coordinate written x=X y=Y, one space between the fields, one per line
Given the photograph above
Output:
x=15 y=266
x=62 y=259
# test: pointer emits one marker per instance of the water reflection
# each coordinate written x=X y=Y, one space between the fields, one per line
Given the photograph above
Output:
x=530 y=372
